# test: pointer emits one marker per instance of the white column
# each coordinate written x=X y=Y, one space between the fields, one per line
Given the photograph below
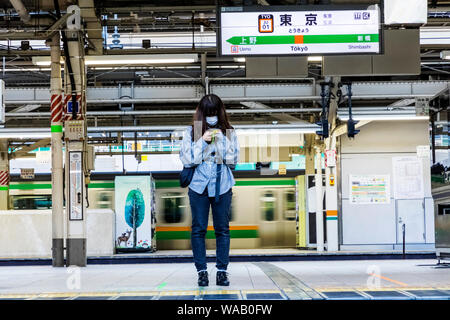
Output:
x=57 y=154
x=76 y=148
x=331 y=201
x=319 y=201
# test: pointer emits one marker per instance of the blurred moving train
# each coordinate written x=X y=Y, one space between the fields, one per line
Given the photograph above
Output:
x=263 y=210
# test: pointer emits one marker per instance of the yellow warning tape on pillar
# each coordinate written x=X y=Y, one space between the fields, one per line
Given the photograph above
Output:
x=300 y=187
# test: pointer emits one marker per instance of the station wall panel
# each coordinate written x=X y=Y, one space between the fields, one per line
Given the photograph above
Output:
x=276 y=67
x=368 y=224
x=387 y=136
x=35 y=238
x=401 y=57
x=261 y=67
x=371 y=152
x=401 y=53
x=347 y=65
x=292 y=66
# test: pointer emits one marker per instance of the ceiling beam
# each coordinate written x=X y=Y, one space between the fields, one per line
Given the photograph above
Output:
x=93 y=26
x=25 y=150
x=21 y=10
x=283 y=117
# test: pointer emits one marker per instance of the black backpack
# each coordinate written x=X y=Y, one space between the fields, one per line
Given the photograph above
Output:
x=186 y=176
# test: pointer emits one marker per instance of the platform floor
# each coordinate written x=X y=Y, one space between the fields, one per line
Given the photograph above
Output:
x=360 y=279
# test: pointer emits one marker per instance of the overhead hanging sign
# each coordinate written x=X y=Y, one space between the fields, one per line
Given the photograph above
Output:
x=398 y=12
x=305 y=30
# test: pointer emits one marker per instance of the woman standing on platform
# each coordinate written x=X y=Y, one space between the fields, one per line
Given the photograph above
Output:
x=210 y=145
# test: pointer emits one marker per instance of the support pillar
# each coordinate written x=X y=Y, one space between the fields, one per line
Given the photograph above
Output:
x=75 y=134
x=319 y=201
x=4 y=175
x=331 y=196
x=57 y=154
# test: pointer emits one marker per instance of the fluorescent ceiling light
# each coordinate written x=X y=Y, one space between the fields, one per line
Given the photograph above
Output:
x=383 y=117
x=445 y=55
x=118 y=60
x=26 y=69
x=388 y=118
x=315 y=59
x=25 y=135
x=249 y=131
x=141 y=59
x=42 y=61
x=239 y=59
x=382 y=114
x=434 y=35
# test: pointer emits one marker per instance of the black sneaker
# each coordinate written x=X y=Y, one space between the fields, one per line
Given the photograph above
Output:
x=203 y=279
x=222 y=278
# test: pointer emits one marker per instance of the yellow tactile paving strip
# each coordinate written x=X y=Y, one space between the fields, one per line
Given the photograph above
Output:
x=201 y=293
x=220 y=292
x=261 y=291
x=98 y=294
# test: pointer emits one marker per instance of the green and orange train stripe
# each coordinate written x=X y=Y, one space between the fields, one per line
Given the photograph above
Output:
x=184 y=233
x=158 y=183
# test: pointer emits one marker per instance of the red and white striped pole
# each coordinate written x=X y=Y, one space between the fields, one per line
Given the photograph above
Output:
x=56 y=108
x=4 y=175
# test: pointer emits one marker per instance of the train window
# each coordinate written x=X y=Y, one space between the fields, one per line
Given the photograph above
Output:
x=104 y=199
x=173 y=207
x=268 y=206
x=289 y=205
x=232 y=209
x=443 y=209
x=27 y=202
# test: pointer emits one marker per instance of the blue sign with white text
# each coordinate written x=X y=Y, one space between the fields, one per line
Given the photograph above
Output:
x=69 y=107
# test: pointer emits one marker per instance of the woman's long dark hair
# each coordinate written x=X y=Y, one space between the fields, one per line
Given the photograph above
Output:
x=209 y=106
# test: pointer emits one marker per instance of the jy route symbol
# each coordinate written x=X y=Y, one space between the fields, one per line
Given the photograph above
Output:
x=265 y=23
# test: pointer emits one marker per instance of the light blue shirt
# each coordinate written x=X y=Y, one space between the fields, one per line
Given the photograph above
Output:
x=200 y=153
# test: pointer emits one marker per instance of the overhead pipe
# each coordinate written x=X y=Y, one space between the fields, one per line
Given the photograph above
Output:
x=162 y=112
x=21 y=10
x=311 y=127
x=230 y=99
x=42 y=131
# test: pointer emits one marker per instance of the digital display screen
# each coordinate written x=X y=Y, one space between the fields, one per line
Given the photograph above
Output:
x=243 y=32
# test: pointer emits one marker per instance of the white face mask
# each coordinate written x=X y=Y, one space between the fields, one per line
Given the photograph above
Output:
x=212 y=121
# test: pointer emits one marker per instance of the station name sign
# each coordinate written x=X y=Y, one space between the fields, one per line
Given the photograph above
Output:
x=248 y=31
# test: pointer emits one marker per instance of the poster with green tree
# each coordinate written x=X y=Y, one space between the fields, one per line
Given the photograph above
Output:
x=133 y=202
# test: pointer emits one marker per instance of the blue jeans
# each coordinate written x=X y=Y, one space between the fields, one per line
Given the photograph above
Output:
x=200 y=204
